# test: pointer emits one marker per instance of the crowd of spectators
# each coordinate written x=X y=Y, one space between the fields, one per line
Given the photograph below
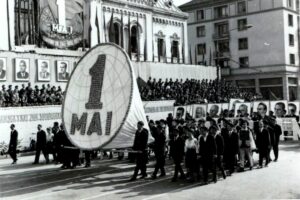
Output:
x=193 y=91
x=29 y=96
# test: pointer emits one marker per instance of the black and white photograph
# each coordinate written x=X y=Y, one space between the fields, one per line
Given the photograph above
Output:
x=242 y=109
x=149 y=99
x=43 y=70
x=62 y=71
x=199 y=111
x=262 y=108
x=3 y=68
x=279 y=108
x=214 y=110
x=22 y=69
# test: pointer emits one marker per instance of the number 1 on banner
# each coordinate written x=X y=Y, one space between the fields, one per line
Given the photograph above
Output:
x=97 y=73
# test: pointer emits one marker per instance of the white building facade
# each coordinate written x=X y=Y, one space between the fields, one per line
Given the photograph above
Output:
x=56 y=33
x=255 y=42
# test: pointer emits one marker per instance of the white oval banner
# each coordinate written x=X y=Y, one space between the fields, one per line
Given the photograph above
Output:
x=98 y=97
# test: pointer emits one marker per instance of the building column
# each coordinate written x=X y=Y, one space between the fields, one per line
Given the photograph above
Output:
x=285 y=86
x=8 y=33
x=150 y=38
x=94 y=33
x=186 y=45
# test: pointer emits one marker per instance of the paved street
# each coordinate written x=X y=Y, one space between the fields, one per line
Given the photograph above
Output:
x=108 y=179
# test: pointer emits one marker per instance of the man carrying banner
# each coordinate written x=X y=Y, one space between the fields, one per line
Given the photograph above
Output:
x=140 y=145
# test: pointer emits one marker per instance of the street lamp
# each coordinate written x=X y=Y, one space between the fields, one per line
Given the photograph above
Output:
x=246 y=27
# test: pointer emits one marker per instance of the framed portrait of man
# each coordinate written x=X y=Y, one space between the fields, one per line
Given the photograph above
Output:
x=232 y=103
x=43 y=70
x=180 y=112
x=261 y=108
x=293 y=109
x=279 y=108
x=242 y=109
x=62 y=71
x=199 y=111
x=22 y=69
x=3 y=68
x=214 y=110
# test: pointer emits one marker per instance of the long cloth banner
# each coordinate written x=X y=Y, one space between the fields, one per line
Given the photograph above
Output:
x=26 y=120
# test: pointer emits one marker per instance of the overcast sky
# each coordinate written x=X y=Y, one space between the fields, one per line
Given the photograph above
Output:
x=180 y=2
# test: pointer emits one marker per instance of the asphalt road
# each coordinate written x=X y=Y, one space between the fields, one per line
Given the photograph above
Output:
x=108 y=179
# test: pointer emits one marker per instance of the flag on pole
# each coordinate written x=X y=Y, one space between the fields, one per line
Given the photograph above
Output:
x=111 y=28
x=97 y=26
x=191 y=60
x=138 y=38
x=129 y=37
x=210 y=57
x=122 y=31
x=105 y=31
x=196 y=61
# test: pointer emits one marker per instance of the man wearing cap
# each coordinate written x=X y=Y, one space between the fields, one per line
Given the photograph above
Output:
x=140 y=146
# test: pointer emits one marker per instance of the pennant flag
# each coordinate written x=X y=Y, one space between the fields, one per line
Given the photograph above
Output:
x=153 y=58
x=191 y=60
x=196 y=61
x=111 y=28
x=210 y=57
x=172 y=52
x=183 y=53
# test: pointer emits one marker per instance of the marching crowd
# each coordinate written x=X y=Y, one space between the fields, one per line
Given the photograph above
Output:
x=29 y=96
x=193 y=91
x=207 y=145
x=204 y=146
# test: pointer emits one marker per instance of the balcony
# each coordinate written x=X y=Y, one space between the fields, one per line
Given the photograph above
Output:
x=221 y=36
x=221 y=55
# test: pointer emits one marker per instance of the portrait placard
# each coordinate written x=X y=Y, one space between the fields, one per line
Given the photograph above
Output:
x=43 y=70
x=293 y=108
x=279 y=108
x=232 y=103
x=22 y=69
x=3 y=67
x=242 y=109
x=261 y=107
x=62 y=71
x=199 y=111
x=180 y=112
x=214 y=110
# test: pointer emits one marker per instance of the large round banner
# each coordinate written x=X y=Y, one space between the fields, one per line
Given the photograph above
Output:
x=98 y=109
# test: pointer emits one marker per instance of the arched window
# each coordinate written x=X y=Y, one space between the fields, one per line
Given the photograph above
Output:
x=114 y=34
x=133 y=39
x=175 y=49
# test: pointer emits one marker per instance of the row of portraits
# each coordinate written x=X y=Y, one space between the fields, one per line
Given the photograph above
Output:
x=22 y=70
x=280 y=109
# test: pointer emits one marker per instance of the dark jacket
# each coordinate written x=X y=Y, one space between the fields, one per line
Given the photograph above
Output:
x=159 y=139
x=263 y=140
x=13 y=143
x=207 y=148
x=140 y=140
x=177 y=148
x=41 y=139
x=220 y=145
x=272 y=134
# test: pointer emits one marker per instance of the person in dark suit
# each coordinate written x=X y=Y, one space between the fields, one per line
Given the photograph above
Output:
x=263 y=143
x=22 y=74
x=177 y=153
x=213 y=130
x=159 y=148
x=208 y=153
x=63 y=75
x=277 y=131
x=231 y=147
x=41 y=145
x=13 y=143
x=2 y=71
x=140 y=145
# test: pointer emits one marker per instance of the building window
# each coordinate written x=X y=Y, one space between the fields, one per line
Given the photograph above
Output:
x=201 y=48
x=241 y=7
x=133 y=40
x=175 y=49
x=200 y=31
x=161 y=48
x=292 y=59
x=297 y=4
x=221 y=11
x=27 y=22
x=290 y=3
x=200 y=15
x=221 y=29
x=223 y=46
x=243 y=43
x=291 y=40
x=242 y=23
x=291 y=20
x=244 y=62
